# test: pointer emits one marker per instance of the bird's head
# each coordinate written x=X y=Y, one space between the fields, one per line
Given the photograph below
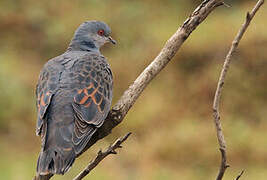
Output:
x=91 y=36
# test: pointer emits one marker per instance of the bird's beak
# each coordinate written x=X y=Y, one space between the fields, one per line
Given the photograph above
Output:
x=112 y=40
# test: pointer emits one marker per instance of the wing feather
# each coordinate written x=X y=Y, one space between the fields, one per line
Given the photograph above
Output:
x=46 y=88
x=90 y=103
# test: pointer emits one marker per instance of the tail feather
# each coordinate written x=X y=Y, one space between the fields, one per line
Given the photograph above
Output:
x=55 y=161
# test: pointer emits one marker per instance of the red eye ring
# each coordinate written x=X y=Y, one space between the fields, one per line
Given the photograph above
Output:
x=100 y=32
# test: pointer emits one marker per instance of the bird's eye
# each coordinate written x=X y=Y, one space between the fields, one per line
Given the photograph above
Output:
x=100 y=32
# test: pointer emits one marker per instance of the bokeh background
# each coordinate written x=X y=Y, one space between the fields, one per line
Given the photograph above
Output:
x=173 y=132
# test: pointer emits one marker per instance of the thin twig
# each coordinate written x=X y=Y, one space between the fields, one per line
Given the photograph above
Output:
x=218 y=93
x=226 y=5
x=101 y=155
x=239 y=176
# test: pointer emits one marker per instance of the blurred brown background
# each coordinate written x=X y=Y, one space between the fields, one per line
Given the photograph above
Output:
x=173 y=132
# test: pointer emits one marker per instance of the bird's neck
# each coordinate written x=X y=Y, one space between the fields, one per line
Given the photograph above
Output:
x=82 y=45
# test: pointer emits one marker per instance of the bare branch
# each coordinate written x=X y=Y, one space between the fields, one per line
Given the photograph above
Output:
x=239 y=176
x=101 y=155
x=218 y=93
x=120 y=109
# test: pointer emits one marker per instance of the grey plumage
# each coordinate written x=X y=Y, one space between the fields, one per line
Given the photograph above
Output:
x=74 y=94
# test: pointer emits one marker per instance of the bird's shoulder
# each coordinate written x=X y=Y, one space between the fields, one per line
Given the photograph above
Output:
x=92 y=66
x=95 y=60
x=50 y=74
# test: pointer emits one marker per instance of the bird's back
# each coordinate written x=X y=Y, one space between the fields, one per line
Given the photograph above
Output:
x=74 y=96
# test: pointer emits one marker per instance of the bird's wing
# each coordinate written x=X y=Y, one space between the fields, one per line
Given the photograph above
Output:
x=92 y=101
x=45 y=89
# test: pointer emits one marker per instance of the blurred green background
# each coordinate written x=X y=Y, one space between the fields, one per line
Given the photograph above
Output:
x=173 y=132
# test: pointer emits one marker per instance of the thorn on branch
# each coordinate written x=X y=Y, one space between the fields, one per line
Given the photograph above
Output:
x=221 y=84
x=226 y=5
x=113 y=152
x=239 y=176
x=248 y=17
x=220 y=4
x=100 y=152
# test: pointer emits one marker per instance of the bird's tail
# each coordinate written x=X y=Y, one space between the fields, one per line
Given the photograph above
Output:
x=55 y=161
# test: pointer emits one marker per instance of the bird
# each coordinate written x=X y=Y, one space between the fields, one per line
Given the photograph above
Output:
x=73 y=97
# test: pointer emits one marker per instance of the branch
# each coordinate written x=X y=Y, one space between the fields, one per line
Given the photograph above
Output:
x=101 y=155
x=121 y=108
x=218 y=93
